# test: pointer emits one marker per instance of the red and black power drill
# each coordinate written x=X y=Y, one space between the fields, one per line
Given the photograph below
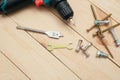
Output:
x=62 y=6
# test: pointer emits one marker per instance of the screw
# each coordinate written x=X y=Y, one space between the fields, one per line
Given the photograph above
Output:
x=88 y=30
x=116 y=40
x=79 y=46
x=99 y=22
x=93 y=11
x=101 y=54
x=106 y=47
x=85 y=48
x=109 y=15
x=114 y=26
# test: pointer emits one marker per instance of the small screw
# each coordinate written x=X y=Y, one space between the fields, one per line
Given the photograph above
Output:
x=85 y=48
x=99 y=22
x=79 y=46
x=105 y=18
x=101 y=54
x=116 y=40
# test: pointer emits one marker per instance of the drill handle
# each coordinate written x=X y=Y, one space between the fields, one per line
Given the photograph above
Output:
x=10 y=5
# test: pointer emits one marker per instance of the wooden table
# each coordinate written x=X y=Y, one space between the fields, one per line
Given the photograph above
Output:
x=24 y=55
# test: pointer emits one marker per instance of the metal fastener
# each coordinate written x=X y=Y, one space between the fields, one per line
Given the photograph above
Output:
x=79 y=45
x=101 y=54
x=100 y=23
x=88 y=30
x=85 y=48
x=116 y=40
x=114 y=26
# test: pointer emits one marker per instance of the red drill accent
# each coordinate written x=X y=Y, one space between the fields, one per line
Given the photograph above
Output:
x=39 y=2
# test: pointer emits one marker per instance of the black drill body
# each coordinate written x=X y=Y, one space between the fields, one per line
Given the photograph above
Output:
x=62 y=6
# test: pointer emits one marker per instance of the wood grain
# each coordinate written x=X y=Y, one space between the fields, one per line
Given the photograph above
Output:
x=109 y=6
x=36 y=62
x=84 y=19
x=8 y=71
x=86 y=68
x=29 y=50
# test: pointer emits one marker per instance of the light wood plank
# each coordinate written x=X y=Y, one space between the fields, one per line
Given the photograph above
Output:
x=109 y=6
x=29 y=56
x=8 y=71
x=87 y=69
x=84 y=20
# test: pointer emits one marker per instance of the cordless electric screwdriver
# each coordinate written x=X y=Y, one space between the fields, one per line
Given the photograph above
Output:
x=62 y=6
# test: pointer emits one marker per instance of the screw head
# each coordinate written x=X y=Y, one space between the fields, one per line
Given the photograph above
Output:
x=101 y=54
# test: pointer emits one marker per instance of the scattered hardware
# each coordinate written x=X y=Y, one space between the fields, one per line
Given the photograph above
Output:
x=51 y=34
x=114 y=26
x=106 y=47
x=61 y=46
x=88 y=30
x=103 y=21
x=93 y=11
x=98 y=26
x=116 y=40
x=111 y=29
x=99 y=33
x=101 y=54
x=100 y=23
x=83 y=48
x=79 y=46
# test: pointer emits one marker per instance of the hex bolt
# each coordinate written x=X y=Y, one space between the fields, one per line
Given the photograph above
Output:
x=116 y=40
x=105 y=18
x=85 y=48
x=101 y=54
x=79 y=45
x=100 y=22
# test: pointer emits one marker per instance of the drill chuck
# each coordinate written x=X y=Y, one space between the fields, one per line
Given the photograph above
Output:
x=63 y=8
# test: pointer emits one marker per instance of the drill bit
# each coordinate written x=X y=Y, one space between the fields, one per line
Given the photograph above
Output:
x=72 y=22
x=51 y=34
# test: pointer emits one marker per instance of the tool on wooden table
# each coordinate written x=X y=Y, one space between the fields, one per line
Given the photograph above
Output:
x=93 y=11
x=99 y=32
x=61 y=6
x=105 y=45
x=51 y=34
x=101 y=54
x=114 y=26
x=116 y=40
x=111 y=29
x=51 y=47
x=98 y=23
x=98 y=26
x=79 y=45
x=83 y=48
